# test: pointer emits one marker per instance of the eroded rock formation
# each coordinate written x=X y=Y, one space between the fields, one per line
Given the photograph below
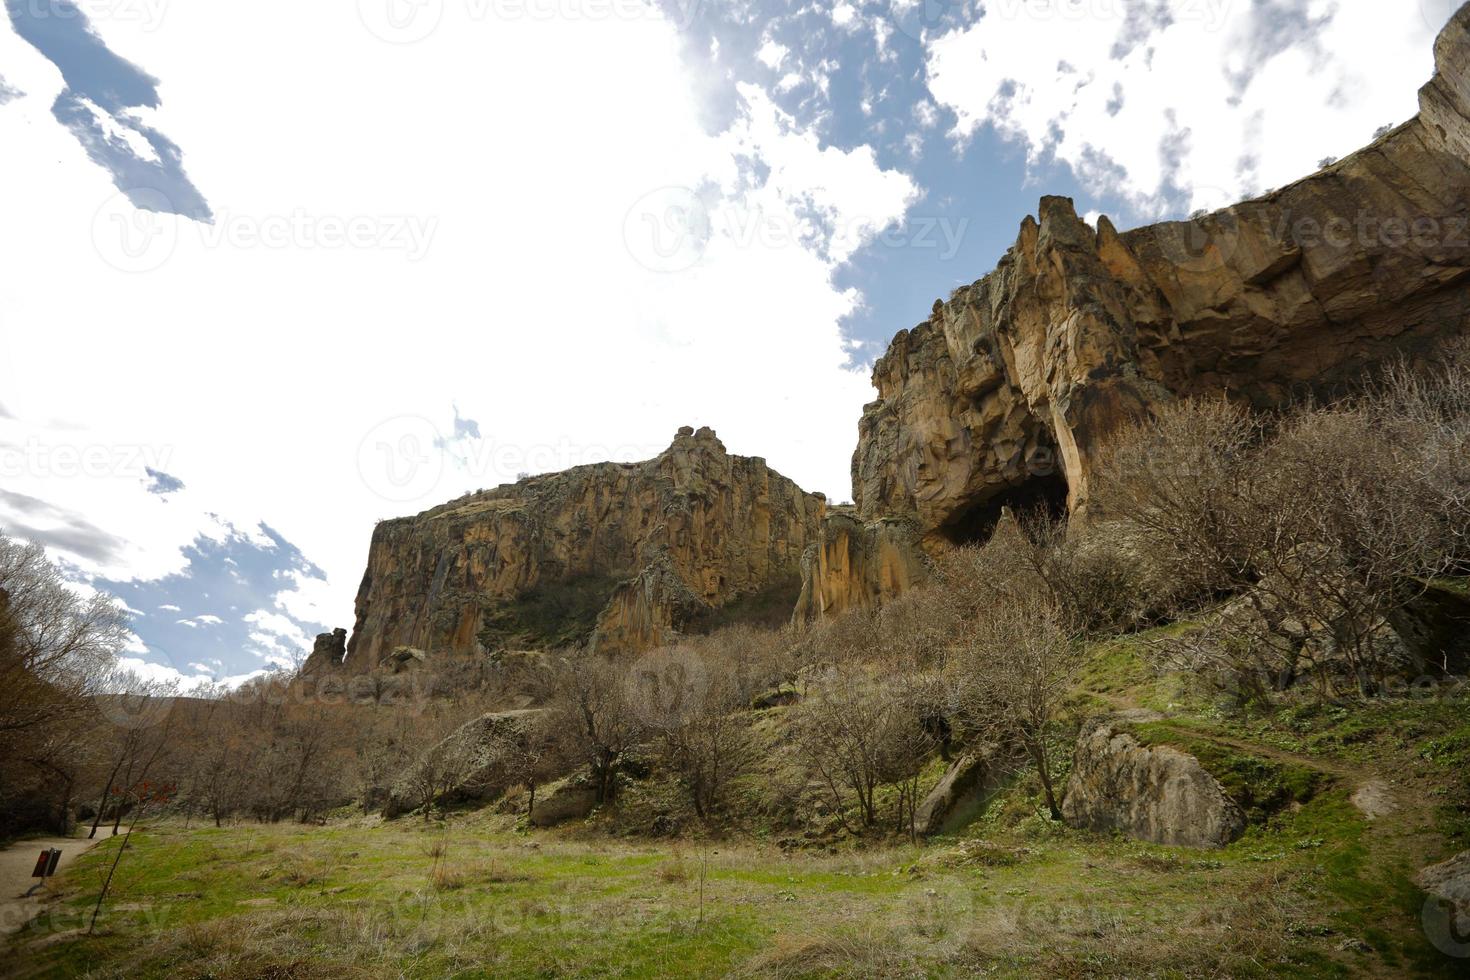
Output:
x=1153 y=793
x=630 y=551
x=1005 y=394
x=854 y=565
x=327 y=653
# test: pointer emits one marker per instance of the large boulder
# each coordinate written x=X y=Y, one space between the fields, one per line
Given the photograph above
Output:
x=1152 y=793
x=566 y=799
x=1449 y=882
x=464 y=766
x=960 y=796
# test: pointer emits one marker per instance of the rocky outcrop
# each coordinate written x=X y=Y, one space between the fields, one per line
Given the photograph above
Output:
x=628 y=550
x=854 y=565
x=961 y=794
x=1006 y=392
x=1449 y=883
x=647 y=610
x=466 y=765
x=1153 y=793
x=327 y=653
x=570 y=798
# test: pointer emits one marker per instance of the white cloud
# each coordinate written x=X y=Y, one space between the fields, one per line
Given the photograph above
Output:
x=1224 y=100
x=772 y=53
x=528 y=307
x=169 y=607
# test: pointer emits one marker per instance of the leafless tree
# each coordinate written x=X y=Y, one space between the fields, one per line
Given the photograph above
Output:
x=1018 y=668
x=703 y=729
x=587 y=694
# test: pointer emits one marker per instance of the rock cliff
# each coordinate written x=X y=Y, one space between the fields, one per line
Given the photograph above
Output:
x=622 y=553
x=1005 y=393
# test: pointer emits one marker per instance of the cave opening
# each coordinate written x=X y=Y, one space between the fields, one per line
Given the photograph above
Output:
x=1046 y=495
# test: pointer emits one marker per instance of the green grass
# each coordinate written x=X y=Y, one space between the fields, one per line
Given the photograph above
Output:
x=1312 y=888
x=1261 y=785
x=1015 y=894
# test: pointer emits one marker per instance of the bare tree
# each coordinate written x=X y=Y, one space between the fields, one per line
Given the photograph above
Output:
x=1321 y=527
x=587 y=695
x=696 y=708
x=1015 y=675
x=57 y=650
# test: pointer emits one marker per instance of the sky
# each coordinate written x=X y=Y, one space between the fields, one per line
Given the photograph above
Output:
x=276 y=271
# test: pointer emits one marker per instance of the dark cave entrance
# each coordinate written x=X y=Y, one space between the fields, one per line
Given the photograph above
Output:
x=1040 y=494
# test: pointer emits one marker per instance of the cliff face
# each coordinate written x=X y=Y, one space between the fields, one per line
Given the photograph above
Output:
x=625 y=551
x=1004 y=395
x=855 y=565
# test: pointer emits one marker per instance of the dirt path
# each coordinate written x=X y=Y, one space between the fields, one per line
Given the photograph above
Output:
x=16 y=863
x=1374 y=793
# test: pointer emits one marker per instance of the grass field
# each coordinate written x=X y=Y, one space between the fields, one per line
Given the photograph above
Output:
x=1314 y=888
x=1318 y=892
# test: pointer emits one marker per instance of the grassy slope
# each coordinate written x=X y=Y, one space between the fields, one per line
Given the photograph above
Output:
x=1312 y=889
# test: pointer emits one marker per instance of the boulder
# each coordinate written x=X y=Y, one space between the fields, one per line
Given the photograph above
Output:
x=402 y=658
x=1152 y=793
x=1449 y=882
x=471 y=769
x=960 y=796
x=566 y=799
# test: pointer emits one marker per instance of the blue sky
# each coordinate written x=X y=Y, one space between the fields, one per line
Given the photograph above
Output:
x=311 y=266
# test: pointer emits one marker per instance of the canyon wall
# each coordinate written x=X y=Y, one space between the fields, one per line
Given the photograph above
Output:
x=1004 y=395
x=621 y=554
